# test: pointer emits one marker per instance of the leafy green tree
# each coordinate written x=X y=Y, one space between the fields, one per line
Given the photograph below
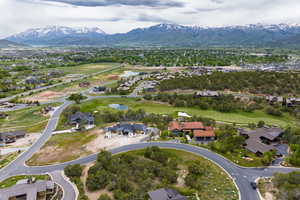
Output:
x=73 y=170
x=77 y=98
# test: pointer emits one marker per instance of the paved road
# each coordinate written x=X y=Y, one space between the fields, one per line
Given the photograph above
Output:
x=68 y=190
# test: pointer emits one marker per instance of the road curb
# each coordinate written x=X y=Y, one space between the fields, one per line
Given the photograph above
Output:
x=257 y=189
x=73 y=184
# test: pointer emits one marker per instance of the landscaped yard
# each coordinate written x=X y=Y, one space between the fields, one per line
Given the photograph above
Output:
x=240 y=118
x=29 y=119
x=13 y=180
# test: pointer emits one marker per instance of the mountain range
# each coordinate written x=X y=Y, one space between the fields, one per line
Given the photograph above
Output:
x=9 y=44
x=166 y=35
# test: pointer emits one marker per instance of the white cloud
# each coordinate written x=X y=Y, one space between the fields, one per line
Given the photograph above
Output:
x=19 y=15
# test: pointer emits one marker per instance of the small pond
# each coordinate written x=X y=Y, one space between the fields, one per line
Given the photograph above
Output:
x=118 y=106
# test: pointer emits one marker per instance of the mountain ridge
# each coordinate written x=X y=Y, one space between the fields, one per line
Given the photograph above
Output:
x=162 y=35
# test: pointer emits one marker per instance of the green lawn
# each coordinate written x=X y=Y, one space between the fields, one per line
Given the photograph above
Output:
x=13 y=180
x=241 y=118
x=29 y=119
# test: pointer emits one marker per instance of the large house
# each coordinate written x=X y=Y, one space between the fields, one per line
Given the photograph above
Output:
x=128 y=129
x=165 y=194
x=199 y=131
x=27 y=189
x=10 y=137
x=80 y=118
x=262 y=140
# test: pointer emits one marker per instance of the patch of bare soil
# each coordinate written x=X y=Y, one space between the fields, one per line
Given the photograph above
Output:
x=102 y=143
x=91 y=195
x=181 y=176
x=269 y=189
x=45 y=96
x=113 y=77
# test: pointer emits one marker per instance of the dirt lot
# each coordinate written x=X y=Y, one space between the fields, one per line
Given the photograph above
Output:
x=116 y=141
x=45 y=96
x=69 y=146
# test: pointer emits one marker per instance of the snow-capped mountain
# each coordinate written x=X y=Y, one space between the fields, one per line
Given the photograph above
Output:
x=163 y=35
x=50 y=33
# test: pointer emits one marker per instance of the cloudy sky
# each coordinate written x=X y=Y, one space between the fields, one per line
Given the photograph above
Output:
x=114 y=16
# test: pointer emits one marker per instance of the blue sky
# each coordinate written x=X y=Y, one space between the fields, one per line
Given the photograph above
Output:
x=114 y=16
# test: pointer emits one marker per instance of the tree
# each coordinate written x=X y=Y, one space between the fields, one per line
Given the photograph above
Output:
x=73 y=171
x=77 y=98
x=261 y=124
x=104 y=197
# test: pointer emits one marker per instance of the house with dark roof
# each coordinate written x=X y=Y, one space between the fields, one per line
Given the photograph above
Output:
x=128 y=129
x=81 y=118
x=166 y=194
x=28 y=190
x=98 y=89
x=10 y=137
x=262 y=140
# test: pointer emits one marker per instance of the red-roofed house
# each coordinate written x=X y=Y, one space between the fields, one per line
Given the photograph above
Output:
x=206 y=133
x=199 y=131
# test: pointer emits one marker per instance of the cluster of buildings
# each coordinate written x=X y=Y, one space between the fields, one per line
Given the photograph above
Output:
x=292 y=101
x=196 y=129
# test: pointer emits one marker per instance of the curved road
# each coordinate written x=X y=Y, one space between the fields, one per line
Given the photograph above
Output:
x=242 y=176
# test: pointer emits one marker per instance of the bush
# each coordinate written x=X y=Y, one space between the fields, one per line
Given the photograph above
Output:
x=73 y=171
x=104 y=197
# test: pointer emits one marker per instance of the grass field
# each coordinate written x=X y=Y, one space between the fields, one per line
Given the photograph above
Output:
x=240 y=118
x=216 y=183
x=6 y=159
x=29 y=119
x=13 y=180
x=86 y=69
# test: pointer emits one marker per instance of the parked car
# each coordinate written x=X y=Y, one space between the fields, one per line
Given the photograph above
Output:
x=253 y=185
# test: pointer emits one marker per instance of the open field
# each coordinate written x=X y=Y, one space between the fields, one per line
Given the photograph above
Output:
x=217 y=183
x=240 y=118
x=13 y=180
x=85 y=69
x=29 y=119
